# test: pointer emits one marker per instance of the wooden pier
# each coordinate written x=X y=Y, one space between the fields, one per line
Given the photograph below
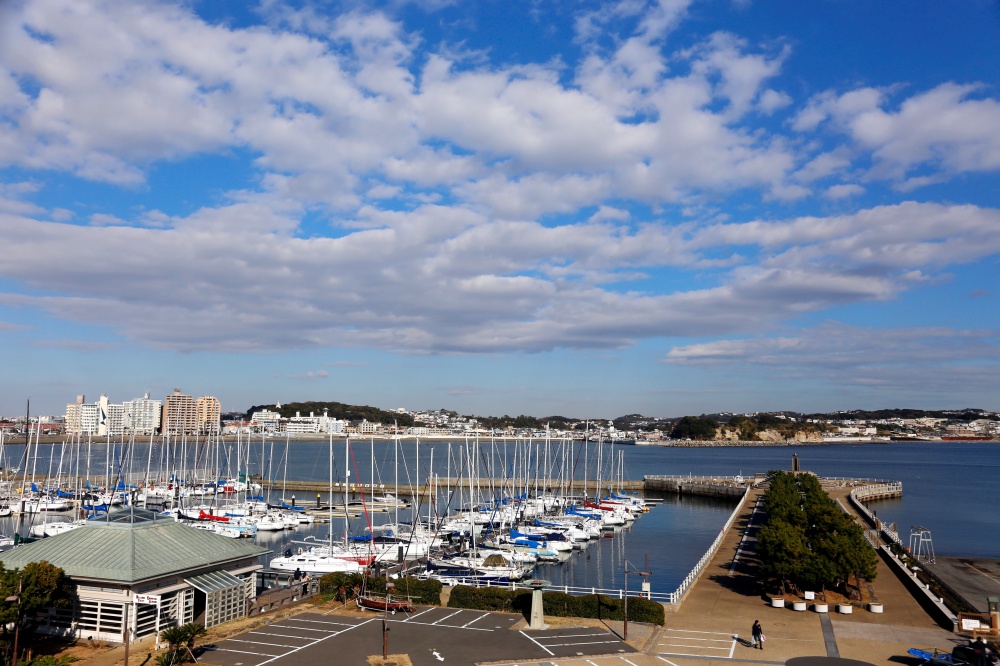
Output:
x=457 y=485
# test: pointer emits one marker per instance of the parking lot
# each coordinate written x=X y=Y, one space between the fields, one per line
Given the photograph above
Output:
x=430 y=636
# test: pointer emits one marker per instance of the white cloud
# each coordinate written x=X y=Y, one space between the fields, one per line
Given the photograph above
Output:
x=893 y=359
x=843 y=191
x=455 y=187
x=946 y=128
x=773 y=100
x=448 y=279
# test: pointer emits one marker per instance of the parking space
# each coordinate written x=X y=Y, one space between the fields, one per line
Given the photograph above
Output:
x=576 y=641
x=472 y=620
x=702 y=644
x=429 y=636
x=281 y=639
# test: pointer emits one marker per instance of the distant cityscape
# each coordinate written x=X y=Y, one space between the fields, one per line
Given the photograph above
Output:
x=182 y=414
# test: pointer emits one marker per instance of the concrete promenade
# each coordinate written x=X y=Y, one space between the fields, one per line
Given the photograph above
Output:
x=712 y=626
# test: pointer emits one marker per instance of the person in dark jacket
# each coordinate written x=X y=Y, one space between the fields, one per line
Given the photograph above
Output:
x=757 y=633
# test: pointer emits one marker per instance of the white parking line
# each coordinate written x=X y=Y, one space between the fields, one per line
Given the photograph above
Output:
x=281 y=645
x=314 y=643
x=701 y=643
x=477 y=619
x=446 y=617
x=601 y=633
x=259 y=654
x=411 y=617
x=434 y=624
x=582 y=643
x=267 y=633
x=283 y=626
x=299 y=619
x=667 y=660
x=631 y=663
x=693 y=647
x=536 y=643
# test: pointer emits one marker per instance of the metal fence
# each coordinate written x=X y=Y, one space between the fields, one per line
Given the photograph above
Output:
x=677 y=595
x=663 y=597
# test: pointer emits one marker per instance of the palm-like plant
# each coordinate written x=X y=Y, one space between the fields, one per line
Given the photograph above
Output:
x=180 y=641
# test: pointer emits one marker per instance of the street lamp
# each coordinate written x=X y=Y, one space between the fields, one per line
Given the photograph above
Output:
x=645 y=574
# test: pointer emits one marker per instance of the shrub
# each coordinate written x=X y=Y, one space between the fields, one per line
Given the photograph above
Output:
x=482 y=598
x=557 y=604
x=424 y=592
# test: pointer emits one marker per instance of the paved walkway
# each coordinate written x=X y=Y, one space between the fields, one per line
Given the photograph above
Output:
x=713 y=624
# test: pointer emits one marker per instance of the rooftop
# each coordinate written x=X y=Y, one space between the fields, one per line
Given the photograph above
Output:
x=130 y=546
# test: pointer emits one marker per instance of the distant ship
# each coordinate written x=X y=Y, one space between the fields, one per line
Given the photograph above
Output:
x=967 y=438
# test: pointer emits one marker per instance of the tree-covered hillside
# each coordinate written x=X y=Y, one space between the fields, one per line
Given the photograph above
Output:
x=337 y=410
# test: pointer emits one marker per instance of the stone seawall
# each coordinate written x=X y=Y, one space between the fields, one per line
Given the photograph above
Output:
x=706 y=487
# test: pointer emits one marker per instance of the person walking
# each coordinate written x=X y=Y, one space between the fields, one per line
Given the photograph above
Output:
x=757 y=633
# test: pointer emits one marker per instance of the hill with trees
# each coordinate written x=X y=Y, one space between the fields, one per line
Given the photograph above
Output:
x=337 y=410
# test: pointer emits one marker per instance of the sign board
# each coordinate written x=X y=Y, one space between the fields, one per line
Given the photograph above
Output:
x=970 y=624
x=146 y=599
x=810 y=595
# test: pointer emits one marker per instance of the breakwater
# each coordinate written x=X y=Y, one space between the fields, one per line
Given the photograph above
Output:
x=705 y=486
x=725 y=487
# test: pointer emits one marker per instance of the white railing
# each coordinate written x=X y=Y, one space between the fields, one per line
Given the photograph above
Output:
x=860 y=480
x=662 y=597
x=886 y=489
x=677 y=595
x=880 y=489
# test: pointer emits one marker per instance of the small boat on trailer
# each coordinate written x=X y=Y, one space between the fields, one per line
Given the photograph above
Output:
x=386 y=605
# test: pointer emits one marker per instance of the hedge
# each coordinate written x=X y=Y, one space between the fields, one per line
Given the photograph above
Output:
x=557 y=604
x=423 y=592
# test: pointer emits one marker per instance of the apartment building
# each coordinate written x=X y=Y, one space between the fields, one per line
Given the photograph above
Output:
x=209 y=414
x=179 y=415
x=142 y=415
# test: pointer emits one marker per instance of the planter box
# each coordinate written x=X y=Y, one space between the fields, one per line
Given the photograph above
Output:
x=798 y=605
x=777 y=602
x=845 y=609
x=821 y=608
x=875 y=608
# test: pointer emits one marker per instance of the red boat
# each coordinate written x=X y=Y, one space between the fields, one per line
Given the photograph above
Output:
x=388 y=604
x=207 y=516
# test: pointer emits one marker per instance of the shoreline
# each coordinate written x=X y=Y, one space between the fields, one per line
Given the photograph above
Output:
x=689 y=444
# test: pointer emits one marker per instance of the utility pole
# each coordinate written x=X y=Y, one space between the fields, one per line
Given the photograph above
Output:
x=17 y=625
x=645 y=574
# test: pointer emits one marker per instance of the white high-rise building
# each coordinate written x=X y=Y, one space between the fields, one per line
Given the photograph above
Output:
x=142 y=415
x=89 y=419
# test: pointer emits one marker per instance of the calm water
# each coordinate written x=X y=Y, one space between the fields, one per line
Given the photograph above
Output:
x=950 y=488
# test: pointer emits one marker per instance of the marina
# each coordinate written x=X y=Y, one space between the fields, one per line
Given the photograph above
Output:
x=302 y=504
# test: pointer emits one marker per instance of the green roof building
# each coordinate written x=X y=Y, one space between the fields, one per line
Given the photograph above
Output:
x=145 y=567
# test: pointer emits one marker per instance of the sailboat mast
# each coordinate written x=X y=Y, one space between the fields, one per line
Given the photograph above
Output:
x=347 y=486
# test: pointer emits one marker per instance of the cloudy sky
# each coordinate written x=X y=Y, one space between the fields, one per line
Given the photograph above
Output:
x=502 y=206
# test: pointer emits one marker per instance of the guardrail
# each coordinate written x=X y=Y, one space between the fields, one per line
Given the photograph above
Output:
x=678 y=594
x=857 y=498
x=669 y=598
x=662 y=597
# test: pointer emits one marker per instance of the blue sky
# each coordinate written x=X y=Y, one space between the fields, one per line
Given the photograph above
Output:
x=576 y=208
